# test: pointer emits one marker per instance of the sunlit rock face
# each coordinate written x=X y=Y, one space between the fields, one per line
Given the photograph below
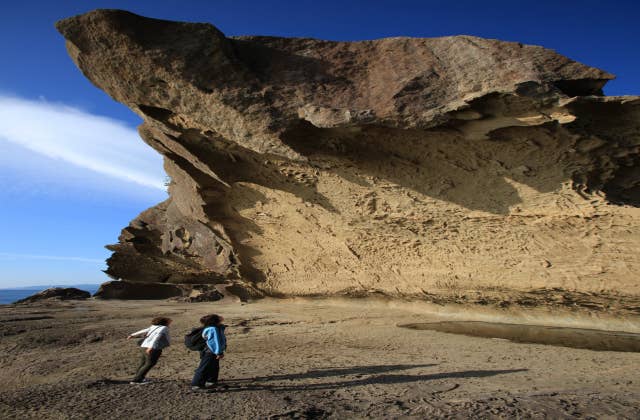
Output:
x=455 y=167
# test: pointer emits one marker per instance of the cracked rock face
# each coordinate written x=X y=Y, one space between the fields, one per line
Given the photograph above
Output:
x=455 y=166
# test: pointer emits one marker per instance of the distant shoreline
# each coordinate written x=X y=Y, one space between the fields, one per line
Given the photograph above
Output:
x=46 y=286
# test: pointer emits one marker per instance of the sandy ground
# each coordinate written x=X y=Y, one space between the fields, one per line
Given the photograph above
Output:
x=297 y=359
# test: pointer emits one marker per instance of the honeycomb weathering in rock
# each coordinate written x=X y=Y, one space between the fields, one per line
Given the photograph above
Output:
x=452 y=166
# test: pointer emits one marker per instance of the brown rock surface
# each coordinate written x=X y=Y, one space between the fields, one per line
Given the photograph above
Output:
x=445 y=167
x=126 y=290
x=138 y=290
x=59 y=293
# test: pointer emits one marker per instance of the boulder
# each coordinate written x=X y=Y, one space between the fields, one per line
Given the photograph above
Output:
x=58 y=293
x=137 y=290
x=201 y=293
x=128 y=290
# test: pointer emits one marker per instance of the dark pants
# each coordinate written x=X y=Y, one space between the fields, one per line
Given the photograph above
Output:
x=147 y=361
x=208 y=369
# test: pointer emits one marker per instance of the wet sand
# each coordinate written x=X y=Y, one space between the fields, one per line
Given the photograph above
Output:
x=578 y=338
x=300 y=359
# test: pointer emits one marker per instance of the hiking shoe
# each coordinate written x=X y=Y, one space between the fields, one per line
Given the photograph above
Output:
x=199 y=389
x=216 y=385
x=139 y=382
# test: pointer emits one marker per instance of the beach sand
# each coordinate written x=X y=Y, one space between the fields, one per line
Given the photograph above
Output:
x=301 y=359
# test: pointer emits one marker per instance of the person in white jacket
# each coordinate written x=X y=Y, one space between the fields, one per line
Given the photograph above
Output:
x=156 y=338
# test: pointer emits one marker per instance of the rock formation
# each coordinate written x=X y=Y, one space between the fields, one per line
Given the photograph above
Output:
x=454 y=167
x=60 y=293
x=123 y=289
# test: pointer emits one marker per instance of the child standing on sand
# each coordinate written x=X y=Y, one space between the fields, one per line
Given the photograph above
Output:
x=156 y=338
x=215 y=344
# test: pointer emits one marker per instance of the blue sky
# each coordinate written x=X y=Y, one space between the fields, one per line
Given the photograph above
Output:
x=72 y=171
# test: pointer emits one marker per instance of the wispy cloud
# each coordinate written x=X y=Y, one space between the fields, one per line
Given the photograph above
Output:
x=98 y=143
x=12 y=256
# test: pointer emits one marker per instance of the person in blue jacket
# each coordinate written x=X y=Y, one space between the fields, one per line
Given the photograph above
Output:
x=206 y=375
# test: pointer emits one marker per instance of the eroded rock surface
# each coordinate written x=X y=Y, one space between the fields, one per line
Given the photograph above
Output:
x=137 y=290
x=455 y=166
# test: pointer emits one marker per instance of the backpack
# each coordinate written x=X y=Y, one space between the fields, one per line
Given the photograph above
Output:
x=194 y=340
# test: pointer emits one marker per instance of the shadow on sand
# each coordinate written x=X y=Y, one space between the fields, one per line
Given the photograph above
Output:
x=364 y=375
x=374 y=375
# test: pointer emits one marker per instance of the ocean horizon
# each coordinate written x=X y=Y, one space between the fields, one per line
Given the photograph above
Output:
x=11 y=295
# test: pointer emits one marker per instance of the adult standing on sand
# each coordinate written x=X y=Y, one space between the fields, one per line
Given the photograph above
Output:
x=215 y=345
x=156 y=338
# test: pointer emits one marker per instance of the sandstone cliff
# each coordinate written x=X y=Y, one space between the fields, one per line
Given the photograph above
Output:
x=455 y=167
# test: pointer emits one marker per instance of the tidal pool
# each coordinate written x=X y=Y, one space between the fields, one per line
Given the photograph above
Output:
x=578 y=338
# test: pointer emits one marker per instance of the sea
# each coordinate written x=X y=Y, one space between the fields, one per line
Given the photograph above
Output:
x=11 y=295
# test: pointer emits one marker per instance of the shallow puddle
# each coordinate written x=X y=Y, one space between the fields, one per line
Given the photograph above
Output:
x=537 y=334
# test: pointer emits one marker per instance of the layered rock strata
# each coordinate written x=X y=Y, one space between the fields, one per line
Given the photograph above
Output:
x=455 y=166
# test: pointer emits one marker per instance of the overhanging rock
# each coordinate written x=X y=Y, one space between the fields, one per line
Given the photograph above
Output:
x=445 y=167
